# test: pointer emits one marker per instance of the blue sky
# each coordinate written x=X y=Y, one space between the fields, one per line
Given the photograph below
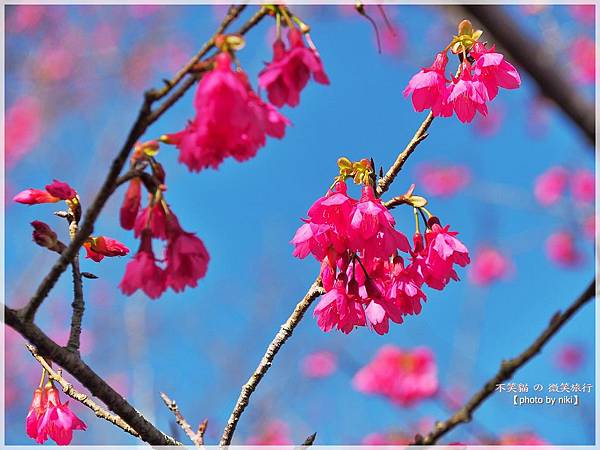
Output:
x=201 y=346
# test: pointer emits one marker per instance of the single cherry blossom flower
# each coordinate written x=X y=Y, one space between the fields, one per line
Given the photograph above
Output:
x=561 y=249
x=489 y=265
x=550 y=186
x=57 y=421
x=319 y=364
x=143 y=273
x=404 y=376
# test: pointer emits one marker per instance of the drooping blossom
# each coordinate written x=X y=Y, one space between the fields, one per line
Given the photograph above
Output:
x=367 y=282
x=561 y=249
x=319 y=364
x=57 y=420
x=493 y=70
x=36 y=410
x=443 y=181
x=186 y=257
x=35 y=197
x=143 y=273
x=131 y=204
x=550 y=186
x=289 y=71
x=569 y=358
x=583 y=184
x=99 y=247
x=435 y=260
x=489 y=265
x=403 y=376
x=231 y=120
x=153 y=218
x=467 y=95
x=275 y=432
x=479 y=78
x=428 y=87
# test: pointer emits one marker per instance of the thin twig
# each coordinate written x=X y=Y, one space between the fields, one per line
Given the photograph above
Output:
x=385 y=181
x=201 y=431
x=507 y=369
x=282 y=335
x=233 y=12
x=81 y=398
x=78 y=304
x=185 y=426
x=314 y=291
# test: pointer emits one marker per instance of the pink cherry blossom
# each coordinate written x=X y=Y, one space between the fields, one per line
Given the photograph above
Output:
x=275 y=432
x=152 y=218
x=589 y=226
x=583 y=184
x=57 y=421
x=319 y=364
x=36 y=410
x=61 y=190
x=337 y=309
x=403 y=376
x=583 y=59
x=569 y=358
x=388 y=439
x=583 y=13
x=560 y=248
x=443 y=181
x=372 y=229
x=99 y=247
x=428 y=87
x=186 y=256
x=34 y=197
x=435 y=261
x=550 y=186
x=489 y=265
x=231 y=120
x=521 y=438
x=23 y=126
x=131 y=204
x=143 y=273
x=287 y=75
x=494 y=70
x=467 y=95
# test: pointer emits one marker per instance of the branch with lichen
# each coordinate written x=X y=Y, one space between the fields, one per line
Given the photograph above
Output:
x=507 y=369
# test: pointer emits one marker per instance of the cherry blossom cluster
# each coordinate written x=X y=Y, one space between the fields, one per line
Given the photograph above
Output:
x=403 y=376
x=481 y=72
x=48 y=417
x=367 y=281
x=186 y=258
x=97 y=247
x=231 y=119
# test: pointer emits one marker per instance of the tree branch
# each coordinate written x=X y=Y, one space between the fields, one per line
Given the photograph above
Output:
x=315 y=290
x=385 y=182
x=144 y=119
x=185 y=426
x=507 y=369
x=82 y=398
x=282 y=335
x=90 y=379
x=78 y=304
